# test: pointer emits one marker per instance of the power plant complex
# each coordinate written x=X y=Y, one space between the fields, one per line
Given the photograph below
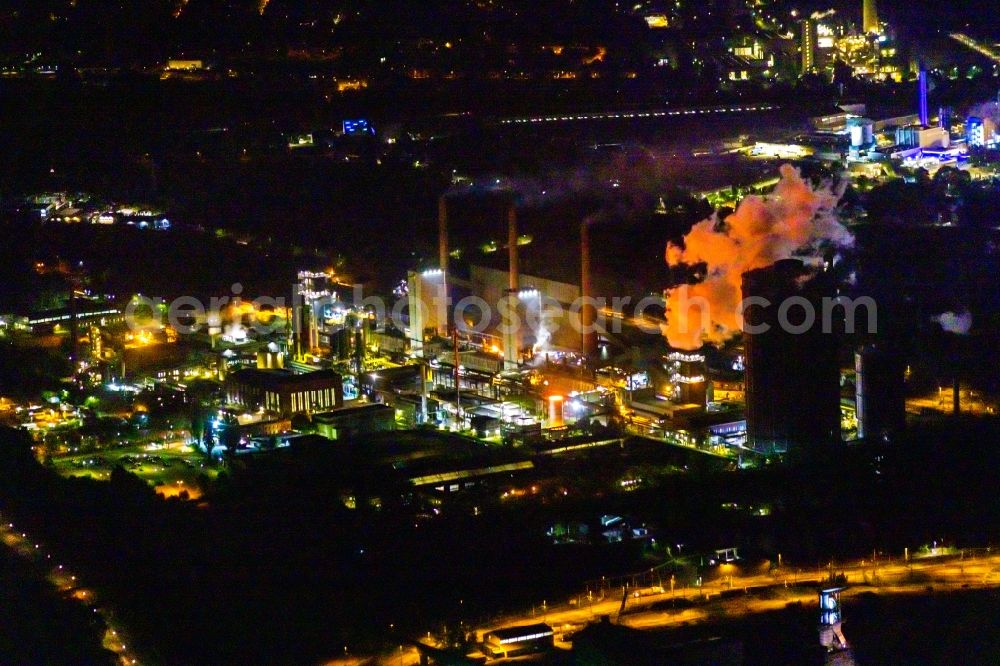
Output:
x=484 y=327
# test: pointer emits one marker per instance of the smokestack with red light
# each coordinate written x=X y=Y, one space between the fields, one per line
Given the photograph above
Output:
x=587 y=313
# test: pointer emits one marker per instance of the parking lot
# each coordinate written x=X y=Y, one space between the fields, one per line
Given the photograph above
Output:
x=172 y=472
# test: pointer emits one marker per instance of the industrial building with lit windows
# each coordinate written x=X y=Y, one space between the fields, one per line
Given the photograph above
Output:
x=515 y=641
x=284 y=392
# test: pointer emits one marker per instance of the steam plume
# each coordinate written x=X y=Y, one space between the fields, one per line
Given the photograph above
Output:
x=958 y=323
x=795 y=220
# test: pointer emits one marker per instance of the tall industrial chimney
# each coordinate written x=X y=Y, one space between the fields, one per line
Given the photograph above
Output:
x=512 y=336
x=587 y=313
x=512 y=247
x=313 y=327
x=443 y=233
x=74 y=332
x=869 y=17
x=922 y=84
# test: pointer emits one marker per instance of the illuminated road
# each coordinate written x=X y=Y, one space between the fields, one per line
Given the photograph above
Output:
x=942 y=401
x=629 y=115
x=980 y=48
x=404 y=655
x=651 y=608
x=70 y=586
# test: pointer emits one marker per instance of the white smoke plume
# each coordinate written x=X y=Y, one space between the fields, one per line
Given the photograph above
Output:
x=543 y=334
x=795 y=220
x=959 y=323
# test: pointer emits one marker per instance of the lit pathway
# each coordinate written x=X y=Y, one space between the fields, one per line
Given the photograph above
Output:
x=980 y=48
x=69 y=585
x=956 y=571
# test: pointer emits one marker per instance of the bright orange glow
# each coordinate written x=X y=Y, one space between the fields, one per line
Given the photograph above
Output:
x=168 y=490
x=597 y=57
x=762 y=231
x=347 y=85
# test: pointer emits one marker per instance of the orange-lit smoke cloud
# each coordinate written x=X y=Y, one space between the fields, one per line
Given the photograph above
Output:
x=794 y=220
